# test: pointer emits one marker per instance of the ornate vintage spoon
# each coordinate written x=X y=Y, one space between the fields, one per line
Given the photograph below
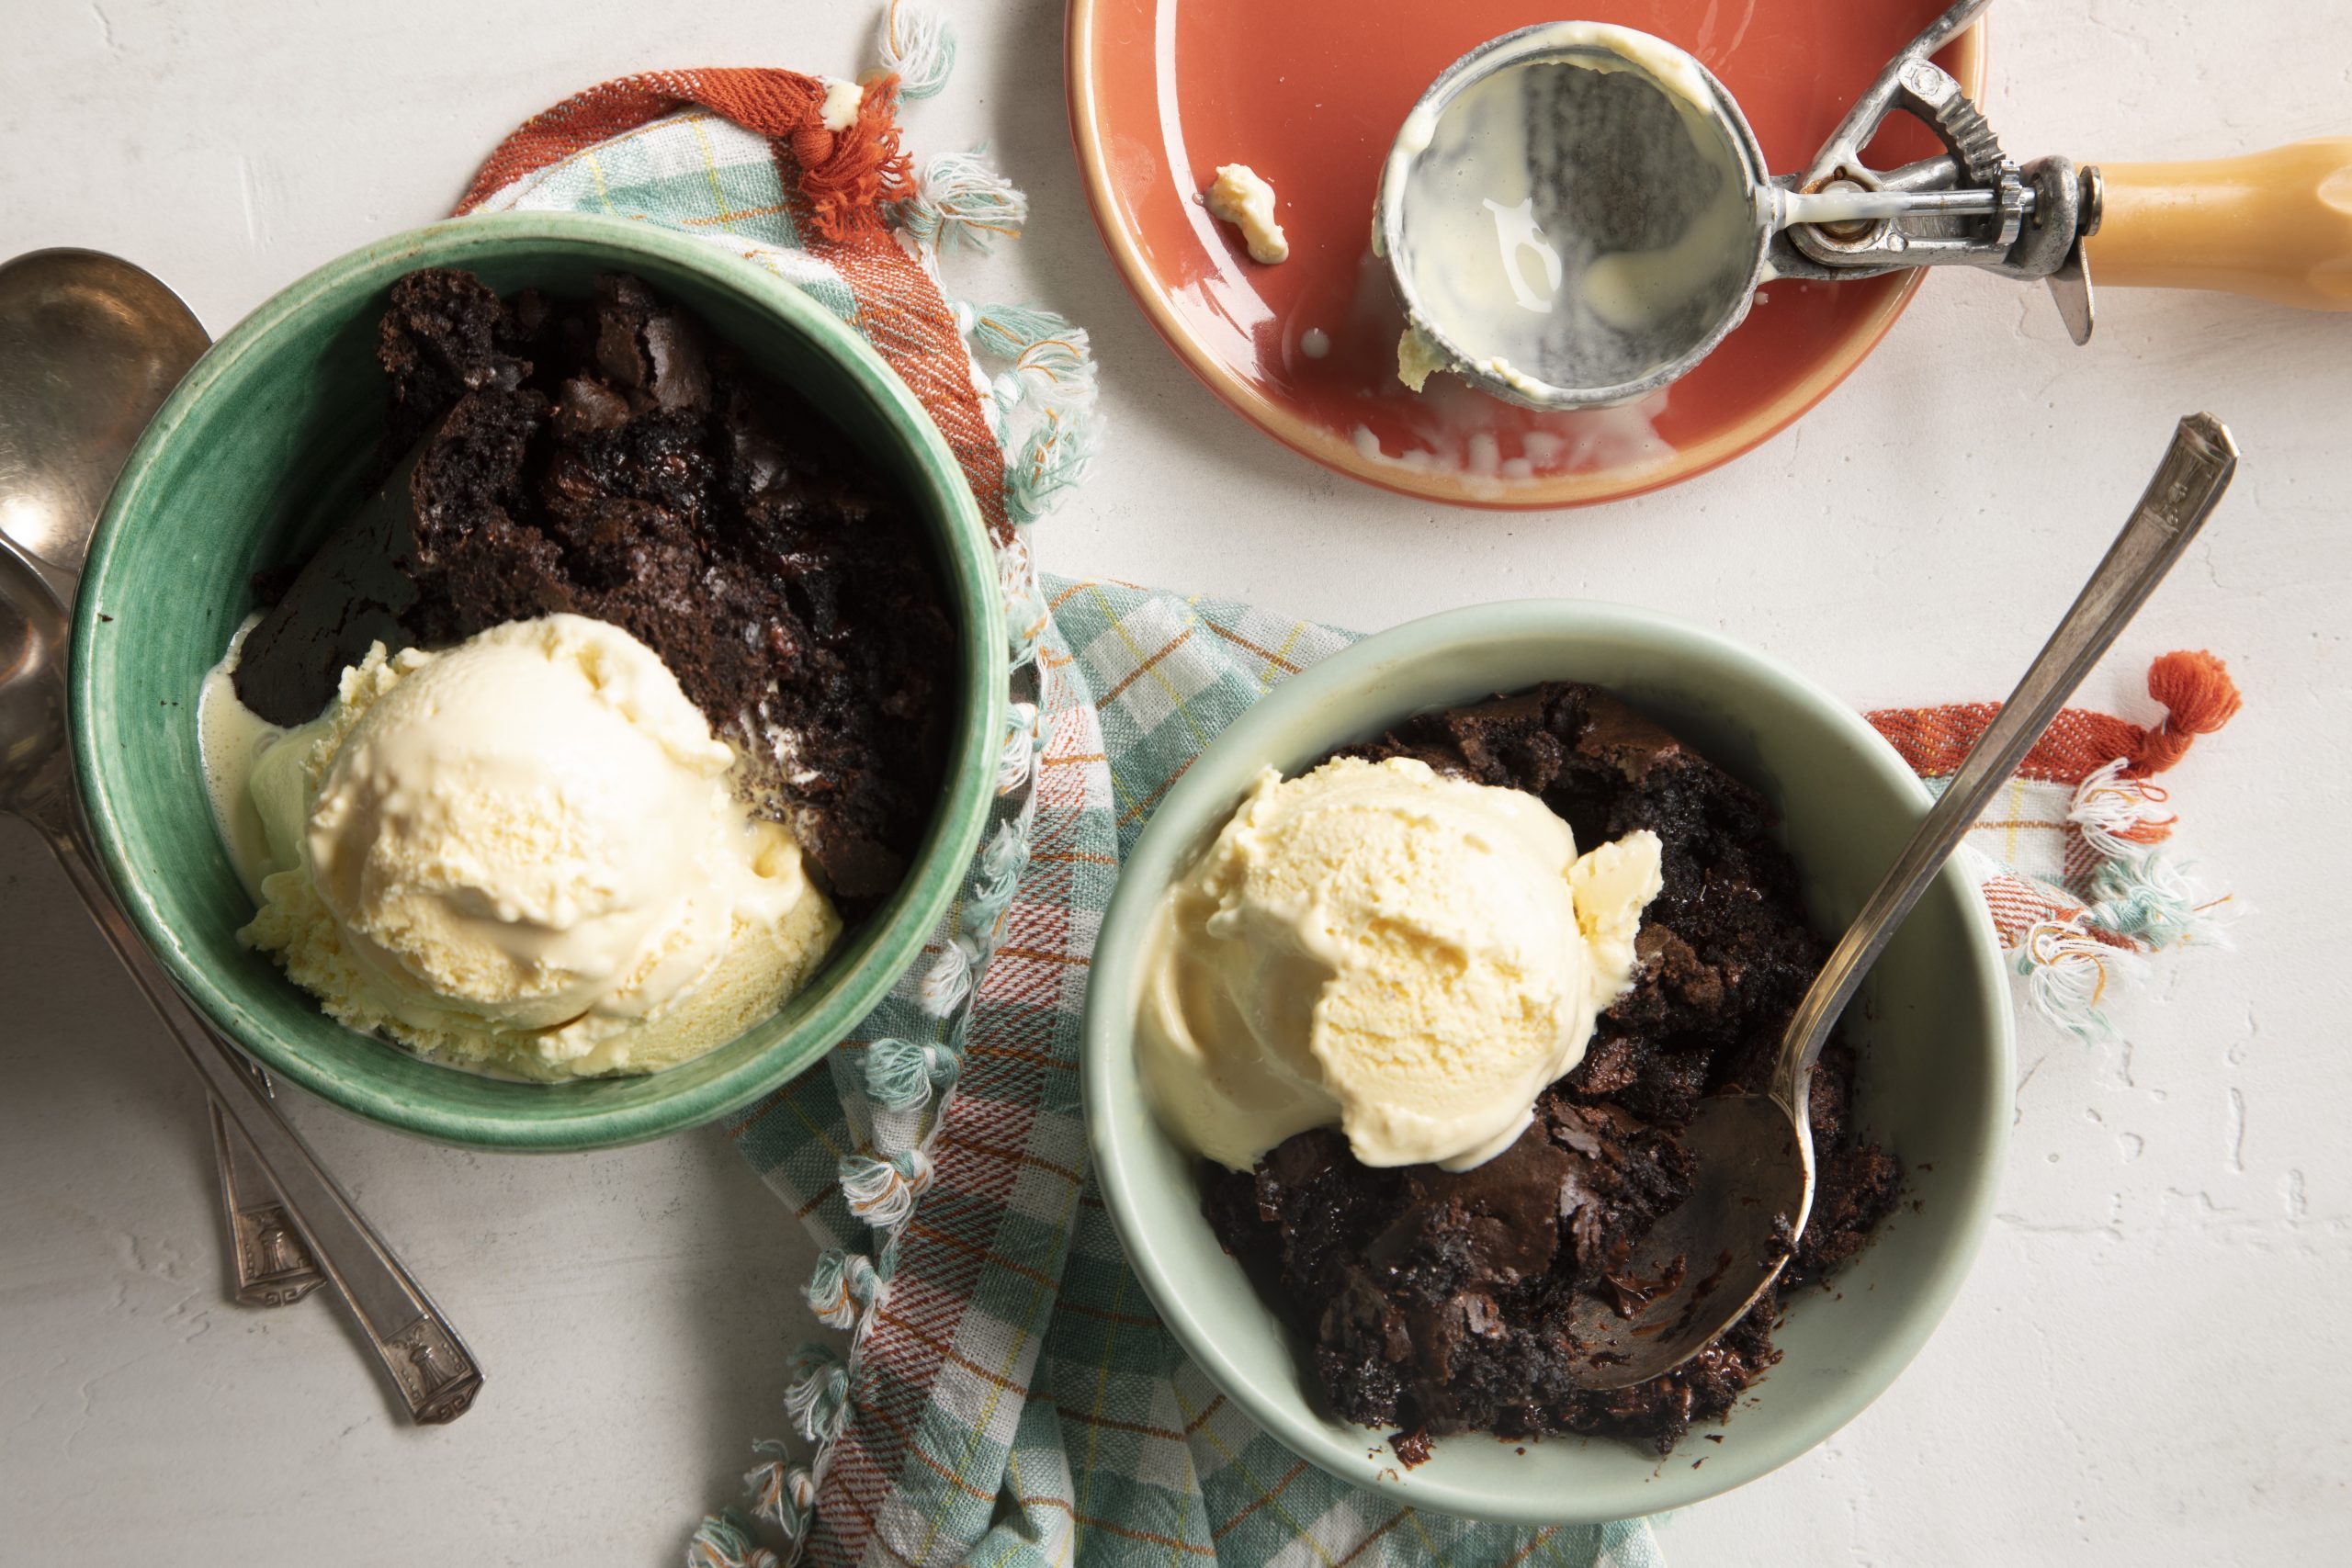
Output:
x=430 y=1366
x=90 y=346
x=1753 y=1151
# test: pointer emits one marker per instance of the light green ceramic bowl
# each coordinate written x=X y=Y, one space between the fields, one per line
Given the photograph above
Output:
x=259 y=453
x=1933 y=1025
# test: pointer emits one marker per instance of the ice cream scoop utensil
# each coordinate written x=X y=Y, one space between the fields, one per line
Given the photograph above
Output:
x=429 y=1365
x=1752 y=1150
x=90 y=345
x=1714 y=224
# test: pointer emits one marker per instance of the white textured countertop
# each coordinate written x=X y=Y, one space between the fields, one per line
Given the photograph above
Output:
x=2113 y=1385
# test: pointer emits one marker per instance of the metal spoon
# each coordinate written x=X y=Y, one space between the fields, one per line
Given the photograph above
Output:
x=90 y=346
x=436 y=1375
x=1753 y=1151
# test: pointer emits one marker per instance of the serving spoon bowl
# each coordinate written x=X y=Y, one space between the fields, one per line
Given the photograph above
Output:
x=91 y=344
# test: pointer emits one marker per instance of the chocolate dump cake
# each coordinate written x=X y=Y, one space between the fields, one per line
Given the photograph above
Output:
x=1434 y=1300
x=611 y=458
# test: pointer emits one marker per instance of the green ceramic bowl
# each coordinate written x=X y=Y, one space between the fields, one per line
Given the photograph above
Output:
x=1933 y=1025
x=254 y=456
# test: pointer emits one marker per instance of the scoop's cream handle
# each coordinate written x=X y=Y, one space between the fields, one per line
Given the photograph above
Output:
x=2275 y=225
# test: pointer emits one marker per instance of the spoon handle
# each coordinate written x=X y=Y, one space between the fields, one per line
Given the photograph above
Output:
x=272 y=1266
x=2194 y=472
x=429 y=1365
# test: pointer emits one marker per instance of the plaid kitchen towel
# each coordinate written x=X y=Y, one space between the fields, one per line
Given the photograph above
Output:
x=2072 y=860
x=1009 y=1397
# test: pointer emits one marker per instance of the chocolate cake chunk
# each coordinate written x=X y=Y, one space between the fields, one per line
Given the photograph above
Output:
x=608 y=457
x=1436 y=1301
x=446 y=333
x=328 y=611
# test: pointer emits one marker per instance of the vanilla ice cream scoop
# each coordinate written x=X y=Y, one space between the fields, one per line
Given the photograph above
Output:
x=524 y=853
x=1410 y=956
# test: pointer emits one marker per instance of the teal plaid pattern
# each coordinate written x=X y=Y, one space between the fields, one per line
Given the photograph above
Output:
x=1015 y=1402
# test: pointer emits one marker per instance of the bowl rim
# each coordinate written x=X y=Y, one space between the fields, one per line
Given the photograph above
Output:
x=940 y=867
x=1187 y=808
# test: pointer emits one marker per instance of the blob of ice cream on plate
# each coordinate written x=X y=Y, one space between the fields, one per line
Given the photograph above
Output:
x=1375 y=946
x=1238 y=196
x=522 y=854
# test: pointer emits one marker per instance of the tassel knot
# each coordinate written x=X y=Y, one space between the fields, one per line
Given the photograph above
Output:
x=882 y=1193
x=2068 y=965
x=1012 y=764
x=817 y=1398
x=2150 y=899
x=949 y=979
x=902 y=1074
x=919 y=47
x=1001 y=863
x=724 y=1540
x=2120 y=815
x=782 y=1494
x=959 y=196
x=840 y=1287
x=811 y=145
x=2198 y=698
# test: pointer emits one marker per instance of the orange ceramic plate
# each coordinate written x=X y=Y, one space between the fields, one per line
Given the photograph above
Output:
x=1310 y=92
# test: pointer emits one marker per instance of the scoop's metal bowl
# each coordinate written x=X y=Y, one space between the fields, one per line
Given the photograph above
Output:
x=1602 y=163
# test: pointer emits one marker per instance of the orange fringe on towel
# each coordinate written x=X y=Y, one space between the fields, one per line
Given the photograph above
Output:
x=845 y=175
x=2194 y=689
